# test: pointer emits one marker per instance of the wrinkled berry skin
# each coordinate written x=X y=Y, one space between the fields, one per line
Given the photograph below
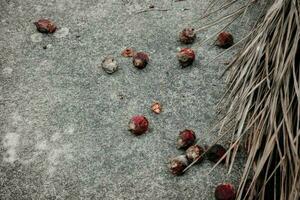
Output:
x=224 y=40
x=45 y=26
x=194 y=152
x=187 y=36
x=215 y=153
x=185 y=139
x=138 y=125
x=140 y=60
x=186 y=57
x=225 y=191
x=128 y=52
x=178 y=164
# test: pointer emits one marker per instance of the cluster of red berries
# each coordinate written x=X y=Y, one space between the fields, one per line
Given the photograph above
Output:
x=186 y=56
x=139 y=124
x=193 y=152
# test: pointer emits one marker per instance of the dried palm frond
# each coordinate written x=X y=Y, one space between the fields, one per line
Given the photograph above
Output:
x=263 y=105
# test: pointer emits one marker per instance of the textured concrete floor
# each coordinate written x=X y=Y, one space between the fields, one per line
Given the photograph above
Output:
x=63 y=121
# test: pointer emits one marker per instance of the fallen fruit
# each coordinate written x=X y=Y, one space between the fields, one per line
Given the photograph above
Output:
x=194 y=152
x=138 y=124
x=128 y=52
x=186 y=57
x=224 y=40
x=109 y=65
x=185 y=139
x=45 y=26
x=156 y=107
x=225 y=191
x=187 y=36
x=178 y=164
x=215 y=153
x=140 y=60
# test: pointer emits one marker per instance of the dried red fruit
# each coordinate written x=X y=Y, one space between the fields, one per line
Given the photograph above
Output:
x=138 y=124
x=187 y=36
x=128 y=52
x=215 y=153
x=225 y=191
x=140 y=60
x=186 y=57
x=45 y=26
x=194 y=152
x=178 y=164
x=156 y=107
x=185 y=139
x=224 y=40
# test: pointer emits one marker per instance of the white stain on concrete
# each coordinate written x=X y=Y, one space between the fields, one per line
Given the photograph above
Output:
x=16 y=118
x=56 y=155
x=7 y=71
x=36 y=37
x=56 y=136
x=42 y=145
x=62 y=32
x=70 y=130
x=10 y=143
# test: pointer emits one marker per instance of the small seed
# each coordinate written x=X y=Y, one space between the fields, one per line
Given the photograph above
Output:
x=128 y=52
x=109 y=65
x=138 y=125
x=215 y=153
x=45 y=26
x=178 y=164
x=225 y=191
x=187 y=36
x=140 y=60
x=185 y=139
x=224 y=40
x=194 y=153
x=186 y=57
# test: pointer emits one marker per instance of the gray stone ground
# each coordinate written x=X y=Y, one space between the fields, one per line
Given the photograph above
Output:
x=63 y=121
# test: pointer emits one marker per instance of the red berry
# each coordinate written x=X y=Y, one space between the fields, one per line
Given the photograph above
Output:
x=185 y=139
x=194 y=152
x=140 y=60
x=186 y=57
x=128 y=52
x=225 y=191
x=215 y=153
x=178 y=164
x=138 y=125
x=187 y=36
x=45 y=26
x=224 y=40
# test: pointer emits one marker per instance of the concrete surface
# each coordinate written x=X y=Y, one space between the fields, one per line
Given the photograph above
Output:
x=63 y=120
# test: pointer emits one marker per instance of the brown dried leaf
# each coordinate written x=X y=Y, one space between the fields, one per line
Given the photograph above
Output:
x=156 y=107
